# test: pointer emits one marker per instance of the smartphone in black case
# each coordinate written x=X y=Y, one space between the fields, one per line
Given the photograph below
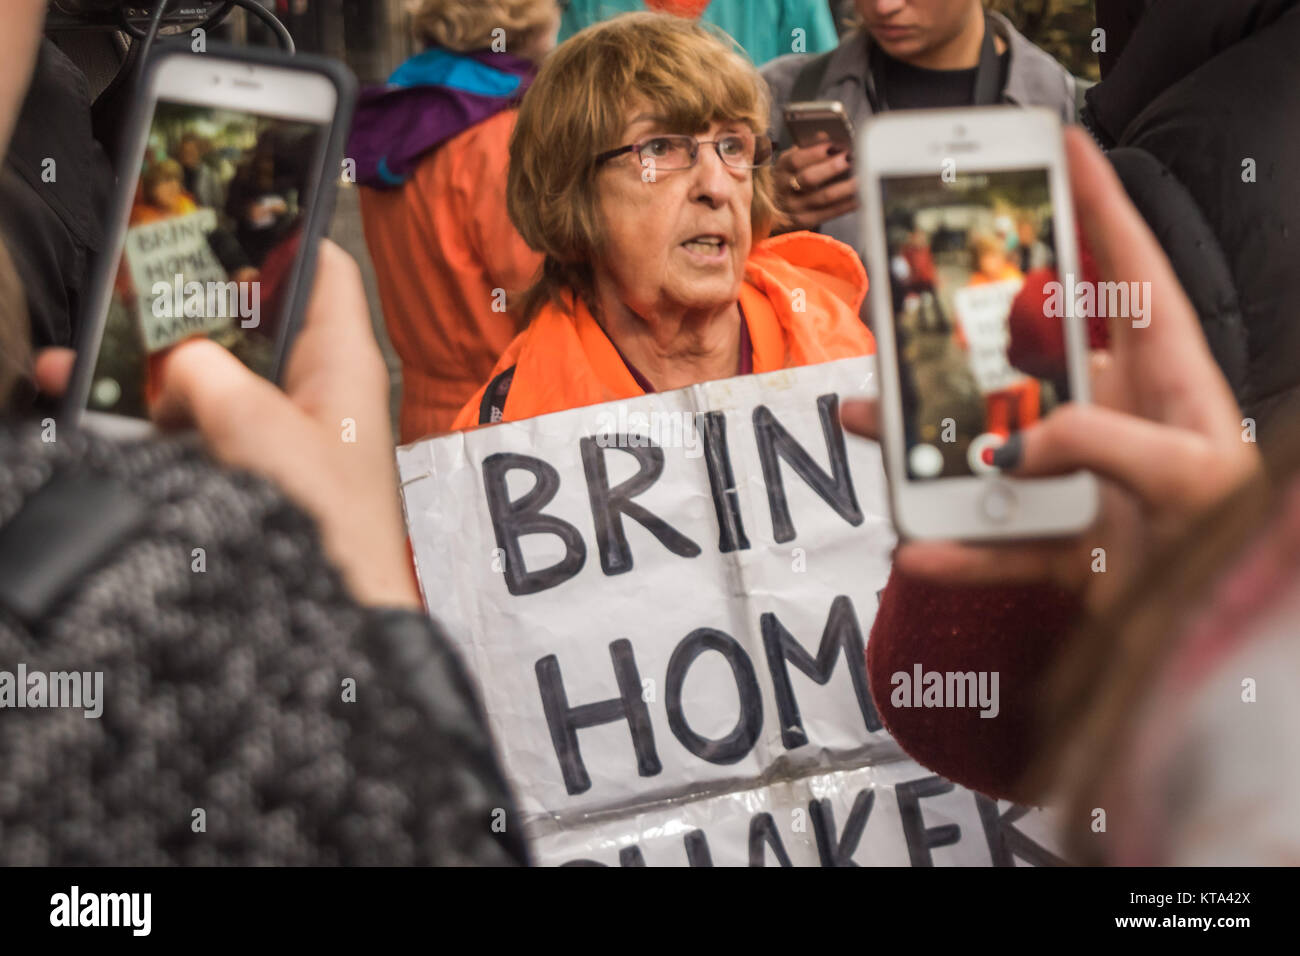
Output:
x=229 y=173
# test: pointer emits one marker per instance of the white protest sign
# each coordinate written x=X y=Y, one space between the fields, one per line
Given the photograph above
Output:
x=983 y=311
x=160 y=252
x=668 y=636
x=892 y=814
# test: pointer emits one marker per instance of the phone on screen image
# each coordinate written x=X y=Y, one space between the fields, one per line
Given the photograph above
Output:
x=965 y=210
x=229 y=177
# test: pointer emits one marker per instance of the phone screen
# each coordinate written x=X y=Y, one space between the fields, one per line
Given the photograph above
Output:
x=212 y=240
x=981 y=353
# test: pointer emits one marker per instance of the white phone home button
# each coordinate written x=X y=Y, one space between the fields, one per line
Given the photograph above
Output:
x=999 y=504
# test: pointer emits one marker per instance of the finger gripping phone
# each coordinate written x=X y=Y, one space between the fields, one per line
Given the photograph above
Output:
x=967 y=226
x=227 y=179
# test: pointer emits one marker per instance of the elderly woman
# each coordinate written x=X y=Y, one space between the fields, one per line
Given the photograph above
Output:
x=162 y=194
x=640 y=170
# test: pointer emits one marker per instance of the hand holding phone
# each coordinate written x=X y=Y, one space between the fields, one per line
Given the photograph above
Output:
x=335 y=378
x=325 y=439
x=228 y=176
x=1164 y=435
x=814 y=179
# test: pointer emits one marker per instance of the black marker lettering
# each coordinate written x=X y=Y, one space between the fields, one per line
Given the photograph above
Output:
x=608 y=505
x=839 y=852
x=722 y=482
x=697 y=849
x=511 y=520
x=630 y=856
x=836 y=489
x=1005 y=841
x=921 y=840
x=841 y=632
x=763 y=831
x=565 y=721
x=733 y=747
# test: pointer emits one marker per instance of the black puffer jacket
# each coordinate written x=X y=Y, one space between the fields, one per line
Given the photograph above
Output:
x=1202 y=87
x=223 y=680
x=55 y=184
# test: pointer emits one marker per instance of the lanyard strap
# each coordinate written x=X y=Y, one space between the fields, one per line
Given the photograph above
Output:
x=988 y=87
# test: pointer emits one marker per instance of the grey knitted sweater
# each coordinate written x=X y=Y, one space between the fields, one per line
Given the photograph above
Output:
x=225 y=691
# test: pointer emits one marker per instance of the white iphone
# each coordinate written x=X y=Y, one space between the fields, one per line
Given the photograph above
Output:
x=965 y=210
x=226 y=181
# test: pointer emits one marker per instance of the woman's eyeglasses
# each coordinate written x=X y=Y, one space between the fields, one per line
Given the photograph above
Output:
x=737 y=150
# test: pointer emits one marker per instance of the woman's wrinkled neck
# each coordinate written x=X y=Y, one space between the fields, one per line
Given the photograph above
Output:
x=672 y=347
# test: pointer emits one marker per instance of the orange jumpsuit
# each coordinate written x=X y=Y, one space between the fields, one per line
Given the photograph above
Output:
x=441 y=245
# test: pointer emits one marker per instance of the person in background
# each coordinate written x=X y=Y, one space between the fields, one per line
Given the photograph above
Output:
x=201 y=179
x=920 y=277
x=1030 y=251
x=640 y=168
x=431 y=151
x=1198 y=106
x=765 y=29
x=909 y=54
x=922 y=274
x=842 y=14
x=55 y=225
x=261 y=200
x=20 y=43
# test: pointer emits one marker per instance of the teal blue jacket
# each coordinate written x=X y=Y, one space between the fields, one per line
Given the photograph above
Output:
x=764 y=28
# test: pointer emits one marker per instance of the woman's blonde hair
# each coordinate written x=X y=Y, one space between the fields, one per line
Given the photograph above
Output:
x=466 y=25
x=980 y=244
x=577 y=108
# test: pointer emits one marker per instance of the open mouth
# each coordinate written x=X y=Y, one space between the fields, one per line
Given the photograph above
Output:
x=710 y=247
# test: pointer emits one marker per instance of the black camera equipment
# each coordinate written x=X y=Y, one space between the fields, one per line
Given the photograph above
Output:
x=138 y=20
x=114 y=14
x=110 y=40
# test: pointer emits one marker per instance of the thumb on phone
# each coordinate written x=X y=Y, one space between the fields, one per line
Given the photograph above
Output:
x=861 y=416
x=1163 y=466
